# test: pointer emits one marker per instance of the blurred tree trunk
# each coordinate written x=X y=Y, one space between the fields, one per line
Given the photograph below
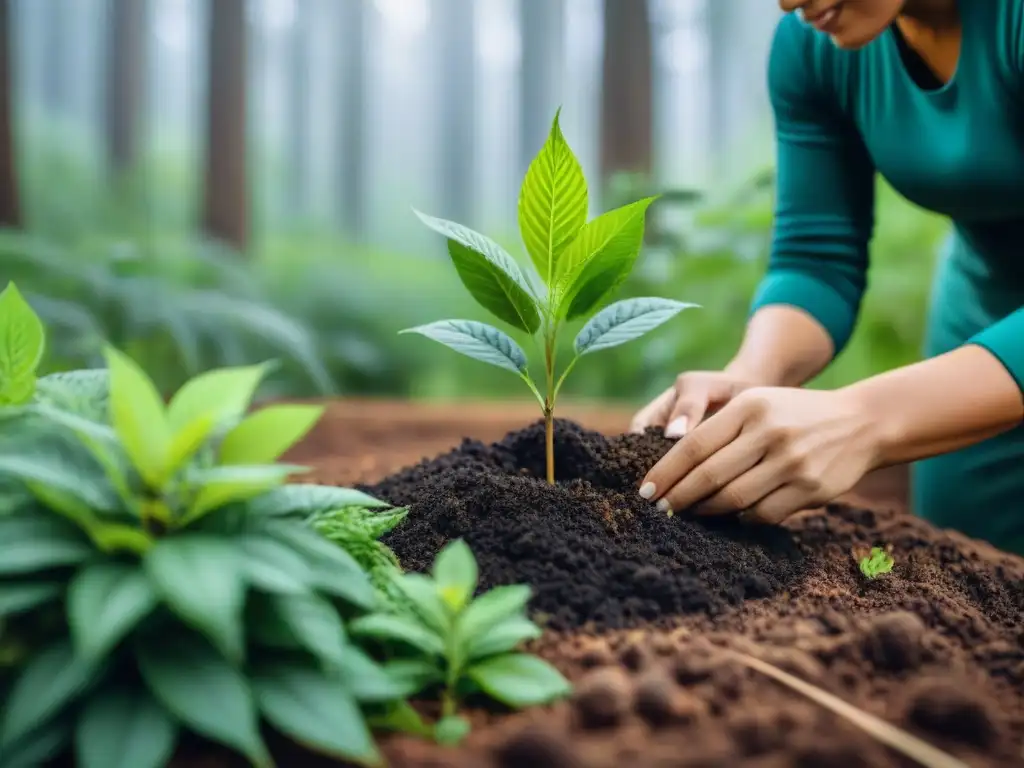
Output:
x=542 y=25
x=455 y=35
x=10 y=208
x=352 y=118
x=225 y=193
x=126 y=77
x=627 y=118
x=58 y=51
x=298 y=96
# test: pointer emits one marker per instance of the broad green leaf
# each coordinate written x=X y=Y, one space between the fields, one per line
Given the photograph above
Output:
x=489 y=273
x=220 y=486
x=17 y=598
x=106 y=601
x=413 y=676
x=552 y=204
x=33 y=542
x=123 y=728
x=382 y=626
x=137 y=413
x=600 y=258
x=117 y=537
x=519 y=680
x=225 y=393
x=455 y=572
x=84 y=393
x=204 y=692
x=50 y=681
x=401 y=717
x=315 y=624
x=22 y=340
x=314 y=710
x=310 y=500
x=50 y=465
x=367 y=680
x=273 y=567
x=503 y=637
x=201 y=579
x=451 y=730
x=477 y=340
x=492 y=608
x=624 y=321
x=262 y=437
x=425 y=597
x=186 y=442
x=40 y=747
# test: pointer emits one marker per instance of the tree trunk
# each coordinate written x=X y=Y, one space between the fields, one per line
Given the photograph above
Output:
x=10 y=208
x=298 y=96
x=627 y=117
x=457 y=106
x=126 y=77
x=542 y=24
x=225 y=204
x=58 y=51
x=351 y=119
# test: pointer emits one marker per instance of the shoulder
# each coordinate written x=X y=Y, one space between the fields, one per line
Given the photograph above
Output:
x=805 y=70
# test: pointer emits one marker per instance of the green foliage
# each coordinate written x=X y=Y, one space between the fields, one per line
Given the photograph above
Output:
x=21 y=347
x=877 y=562
x=154 y=581
x=578 y=264
x=444 y=637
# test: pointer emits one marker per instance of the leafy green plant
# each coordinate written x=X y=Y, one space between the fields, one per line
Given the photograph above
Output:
x=161 y=577
x=579 y=264
x=22 y=342
x=461 y=644
x=877 y=562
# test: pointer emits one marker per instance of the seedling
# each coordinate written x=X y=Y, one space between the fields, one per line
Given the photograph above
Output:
x=578 y=264
x=877 y=562
x=463 y=645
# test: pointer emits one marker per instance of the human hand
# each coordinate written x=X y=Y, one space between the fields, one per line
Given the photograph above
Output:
x=769 y=452
x=684 y=405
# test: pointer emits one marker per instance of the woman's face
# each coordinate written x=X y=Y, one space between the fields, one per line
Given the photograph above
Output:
x=850 y=23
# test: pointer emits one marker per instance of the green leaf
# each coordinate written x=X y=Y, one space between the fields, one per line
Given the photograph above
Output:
x=382 y=626
x=50 y=466
x=492 y=608
x=624 y=321
x=22 y=340
x=33 y=542
x=451 y=730
x=519 y=680
x=106 y=601
x=137 y=413
x=315 y=624
x=201 y=580
x=477 y=340
x=224 y=393
x=489 y=273
x=414 y=675
x=84 y=393
x=314 y=710
x=400 y=717
x=220 y=486
x=552 y=203
x=50 y=681
x=40 y=747
x=273 y=567
x=425 y=597
x=262 y=437
x=503 y=637
x=18 y=598
x=185 y=444
x=367 y=680
x=455 y=572
x=600 y=258
x=310 y=500
x=124 y=729
x=204 y=692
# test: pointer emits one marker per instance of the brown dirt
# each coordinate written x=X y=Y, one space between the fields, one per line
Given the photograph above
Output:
x=642 y=610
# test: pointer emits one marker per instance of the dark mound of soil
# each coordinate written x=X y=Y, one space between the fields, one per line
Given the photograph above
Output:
x=595 y=552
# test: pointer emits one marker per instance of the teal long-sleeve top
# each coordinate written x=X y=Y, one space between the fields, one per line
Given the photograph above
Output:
x=956 y=148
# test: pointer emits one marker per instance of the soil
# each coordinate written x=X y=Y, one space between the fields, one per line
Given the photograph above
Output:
x=645 y=613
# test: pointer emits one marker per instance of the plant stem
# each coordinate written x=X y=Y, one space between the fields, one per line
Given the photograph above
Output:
x=549 y=408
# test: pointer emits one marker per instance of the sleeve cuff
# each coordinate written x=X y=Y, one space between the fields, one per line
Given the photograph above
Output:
x=1005 y=340
x=815 y=297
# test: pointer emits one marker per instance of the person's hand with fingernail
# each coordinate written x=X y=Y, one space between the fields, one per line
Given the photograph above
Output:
x=682 y=406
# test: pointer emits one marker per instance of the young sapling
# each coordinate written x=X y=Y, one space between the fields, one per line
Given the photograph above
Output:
x=578 y=264
x=877 y=562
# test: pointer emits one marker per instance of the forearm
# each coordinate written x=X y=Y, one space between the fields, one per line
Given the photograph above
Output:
x=783 y=347
x=939 y=405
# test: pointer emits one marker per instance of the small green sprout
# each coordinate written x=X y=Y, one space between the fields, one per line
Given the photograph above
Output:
x=22 y=341
x=877 y=562
x=579 y=265
x=463 y=645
